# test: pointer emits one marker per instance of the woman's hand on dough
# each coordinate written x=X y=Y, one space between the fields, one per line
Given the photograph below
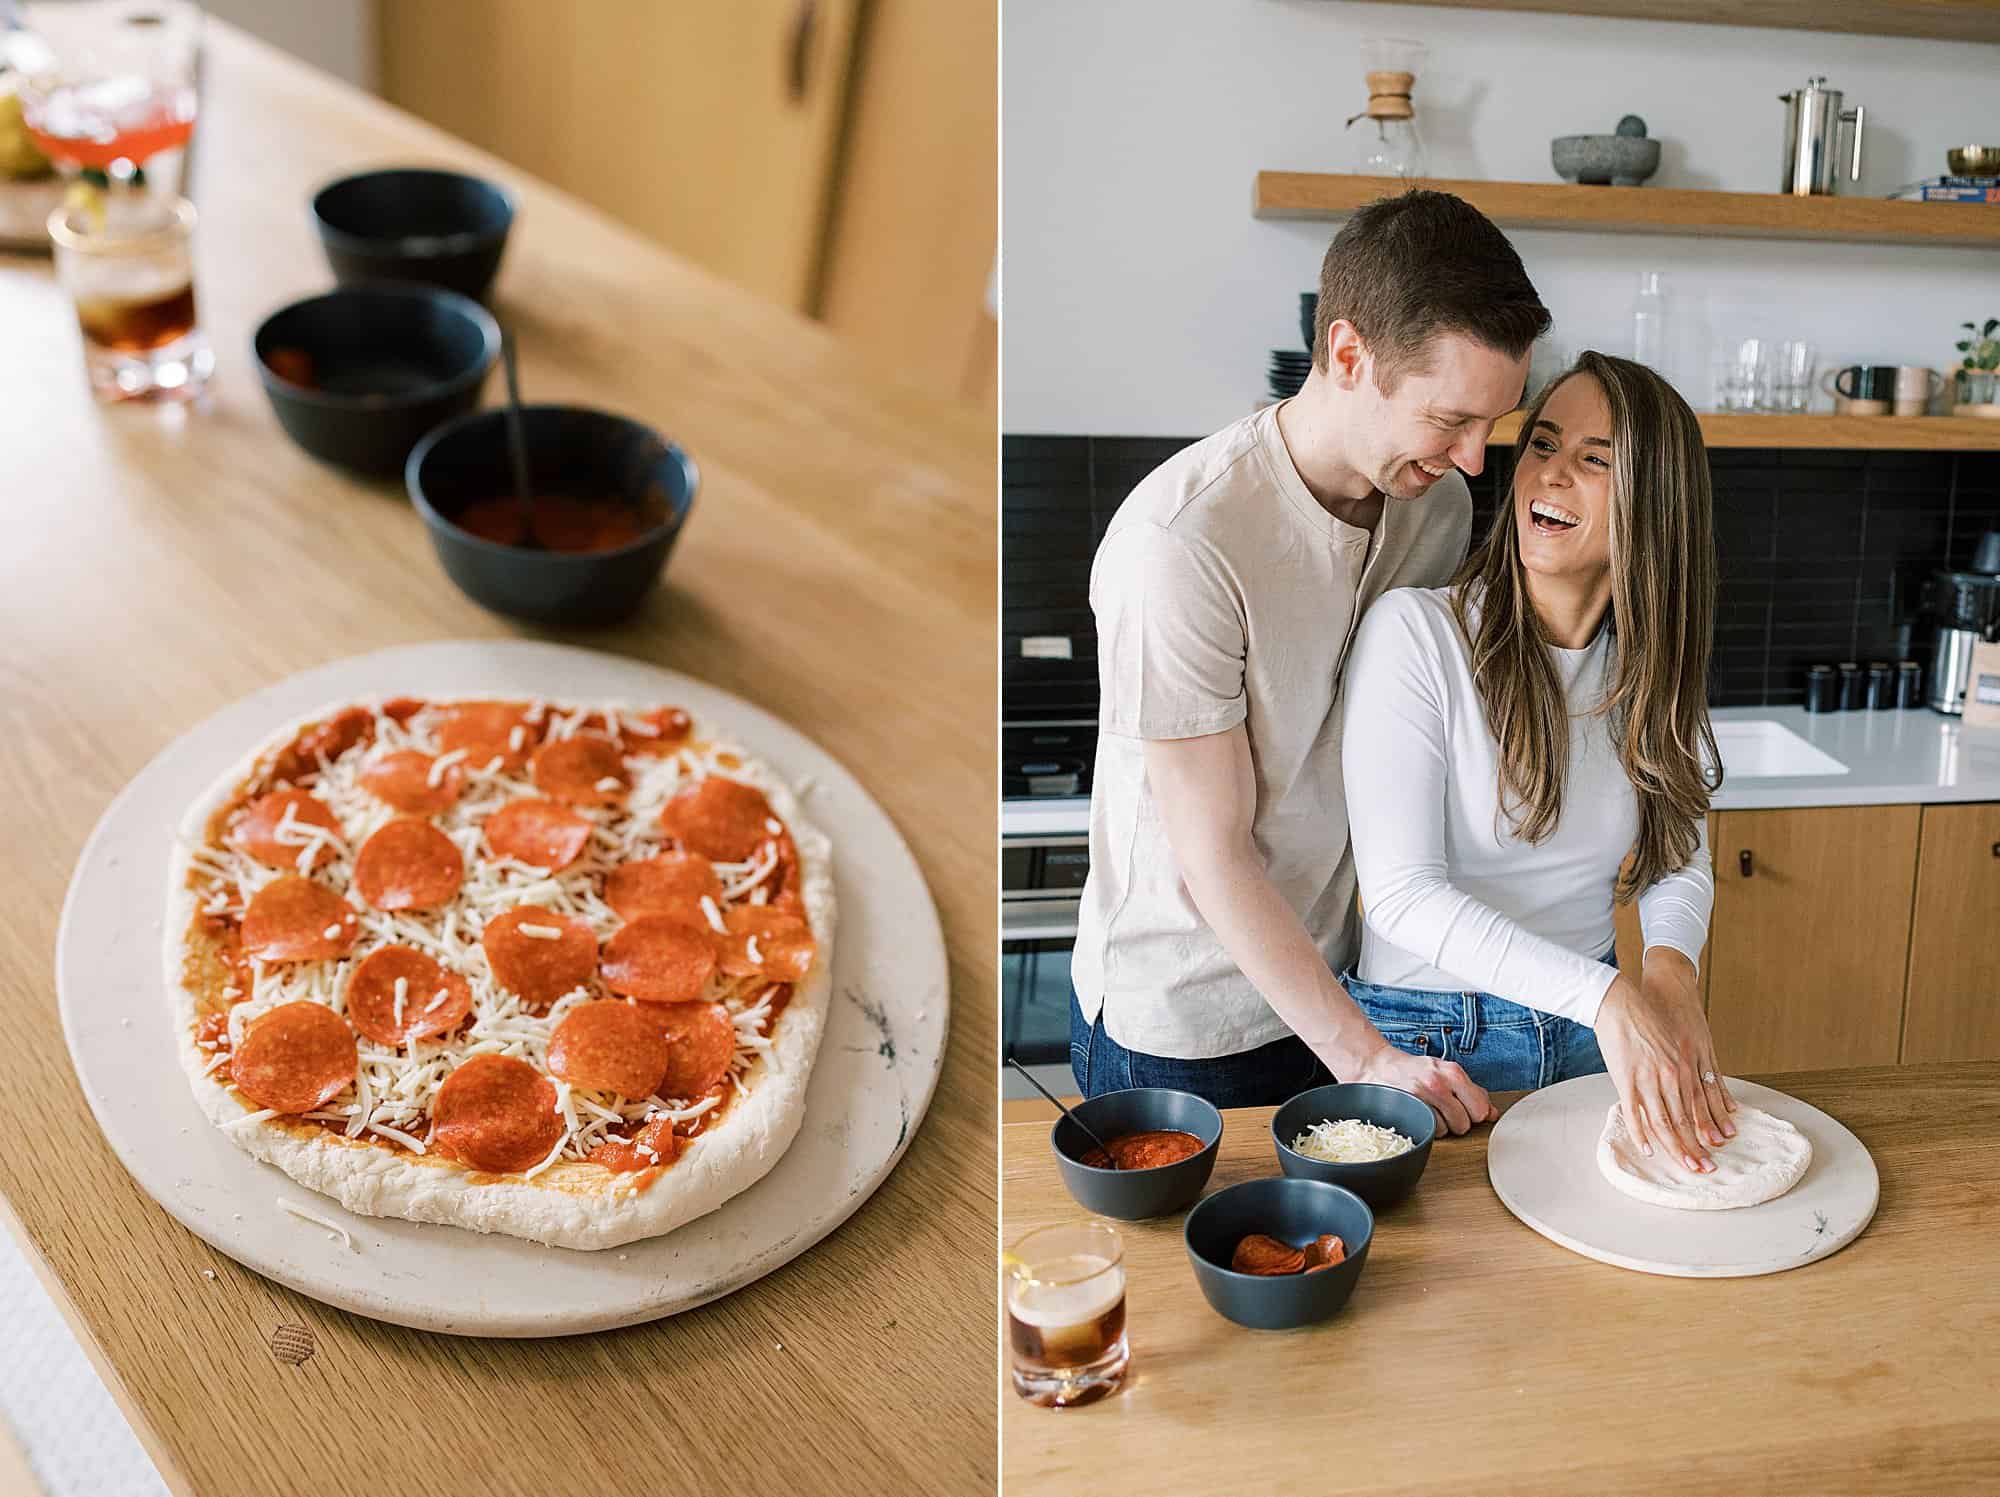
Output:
x=1657 y=1046
x=1458 y=1103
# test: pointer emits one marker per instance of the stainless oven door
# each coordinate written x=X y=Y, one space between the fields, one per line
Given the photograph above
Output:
x=1036 y=936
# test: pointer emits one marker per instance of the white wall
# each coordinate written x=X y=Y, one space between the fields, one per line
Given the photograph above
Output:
x=337 y=36
x=1140 y=297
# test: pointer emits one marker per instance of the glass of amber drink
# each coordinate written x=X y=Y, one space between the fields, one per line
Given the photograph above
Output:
x=1066 y=1314
x=126 y=260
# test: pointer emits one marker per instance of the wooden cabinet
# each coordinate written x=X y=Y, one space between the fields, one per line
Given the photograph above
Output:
x=1811 y=936
x=838 y=157
x=916 y=222
x=1953 y=1011
x=713 y=128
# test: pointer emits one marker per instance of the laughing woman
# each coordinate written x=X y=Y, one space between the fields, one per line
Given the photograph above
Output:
x=1510 y=739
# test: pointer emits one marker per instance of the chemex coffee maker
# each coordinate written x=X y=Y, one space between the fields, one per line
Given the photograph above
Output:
x=1964 y=608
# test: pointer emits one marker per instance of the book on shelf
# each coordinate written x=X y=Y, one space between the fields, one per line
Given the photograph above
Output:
x=1950 y=190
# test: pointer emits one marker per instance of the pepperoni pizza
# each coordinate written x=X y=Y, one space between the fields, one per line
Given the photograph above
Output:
x=557 y=971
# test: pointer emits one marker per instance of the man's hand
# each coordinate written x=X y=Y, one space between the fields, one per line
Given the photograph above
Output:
x=1458 y=1102
x=1657 y=1046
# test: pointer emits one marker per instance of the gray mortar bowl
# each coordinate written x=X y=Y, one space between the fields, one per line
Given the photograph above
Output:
x=1597 y=160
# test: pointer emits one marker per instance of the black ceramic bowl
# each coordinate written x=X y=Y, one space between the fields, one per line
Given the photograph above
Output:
x=358 y=374
x=1382 y=1183
x=1133 y=1195
x=1294 y=1211
x=436 y=227
x=573 y=451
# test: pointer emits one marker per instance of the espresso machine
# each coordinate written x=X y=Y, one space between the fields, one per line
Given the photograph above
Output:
x=1964 y=608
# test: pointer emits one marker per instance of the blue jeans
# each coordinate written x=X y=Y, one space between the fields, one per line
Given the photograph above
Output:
x=1263 y=1077
x=1503 y=1046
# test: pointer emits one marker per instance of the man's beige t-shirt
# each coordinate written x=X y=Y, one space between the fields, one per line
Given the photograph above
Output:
x=1225 y=594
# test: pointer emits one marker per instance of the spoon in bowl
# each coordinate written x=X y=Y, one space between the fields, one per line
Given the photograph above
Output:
x=1102 y=1147
x=517 y=445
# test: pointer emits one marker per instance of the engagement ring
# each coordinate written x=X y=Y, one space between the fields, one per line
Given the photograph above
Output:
x=1709 y=1077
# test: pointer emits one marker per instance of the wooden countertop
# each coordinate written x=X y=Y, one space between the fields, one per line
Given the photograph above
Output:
x=1477 y=1356
x=160 y=564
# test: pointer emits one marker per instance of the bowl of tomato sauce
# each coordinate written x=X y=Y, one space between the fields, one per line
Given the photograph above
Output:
x=1163 y=1145
x=608 y=497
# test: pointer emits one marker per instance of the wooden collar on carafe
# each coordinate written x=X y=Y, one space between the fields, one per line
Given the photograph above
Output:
x=1388 y=97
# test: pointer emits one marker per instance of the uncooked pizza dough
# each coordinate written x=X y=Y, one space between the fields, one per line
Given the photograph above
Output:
x=1766 y=1158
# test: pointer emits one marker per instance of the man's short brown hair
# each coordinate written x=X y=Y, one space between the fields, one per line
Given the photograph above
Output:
x=1404 y=269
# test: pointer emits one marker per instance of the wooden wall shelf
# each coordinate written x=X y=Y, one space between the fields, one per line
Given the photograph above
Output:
x=1896 y=433
x=1649 y=210
x=1949 y=20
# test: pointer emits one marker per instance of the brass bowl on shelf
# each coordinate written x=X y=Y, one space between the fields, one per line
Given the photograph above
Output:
x=1973 y=161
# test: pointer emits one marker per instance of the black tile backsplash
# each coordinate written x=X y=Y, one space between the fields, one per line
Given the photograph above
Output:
x=1823 y=557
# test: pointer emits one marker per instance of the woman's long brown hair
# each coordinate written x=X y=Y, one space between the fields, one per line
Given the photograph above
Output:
x=1662 y=611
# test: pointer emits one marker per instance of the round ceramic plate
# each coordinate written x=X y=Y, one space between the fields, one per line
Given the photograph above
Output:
x=878 y=1064
x=1542 y=1160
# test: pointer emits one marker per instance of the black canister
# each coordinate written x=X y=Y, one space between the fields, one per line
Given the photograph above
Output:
x=1851 y=686
x=1822 y=689
x=1881 y=686
x=1909 y=684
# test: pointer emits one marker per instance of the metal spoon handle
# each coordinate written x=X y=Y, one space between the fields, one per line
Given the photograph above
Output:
x=1102 y=1147
x=517 y=436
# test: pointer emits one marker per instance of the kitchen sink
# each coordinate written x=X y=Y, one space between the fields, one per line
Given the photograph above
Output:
x=1761 y=749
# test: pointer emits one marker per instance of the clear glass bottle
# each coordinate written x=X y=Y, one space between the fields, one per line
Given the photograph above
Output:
x=1386 y=144
x=1649 y=322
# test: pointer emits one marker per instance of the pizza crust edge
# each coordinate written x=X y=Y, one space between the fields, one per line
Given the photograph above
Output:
x=712 y=1168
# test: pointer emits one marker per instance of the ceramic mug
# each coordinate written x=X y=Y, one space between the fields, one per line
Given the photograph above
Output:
x=1842 y=406
x=1862 y=382
x=1915 y=385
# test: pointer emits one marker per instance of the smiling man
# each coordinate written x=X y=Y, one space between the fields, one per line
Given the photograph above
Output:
x=1220 y=900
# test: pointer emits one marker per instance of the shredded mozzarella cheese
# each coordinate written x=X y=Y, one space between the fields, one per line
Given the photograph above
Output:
x=1350 y=1141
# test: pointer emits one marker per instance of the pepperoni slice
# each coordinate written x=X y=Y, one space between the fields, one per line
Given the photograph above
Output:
x=610 y=1046
x=496 y=1113
x=671 y=884
x=719 y=818
x=623 y=1155
x=256 y=830
x=1325 y=1252
x=767 y=942
x=540 y=967
x=296 y=1057
x=703 y=1041
x=659 y=958
x=1259 y=1254
x=293 y=919
x=408 y=864
x=489 y=731
x=405 y=780
x=435 y=1001
x=584 y=770
x=324 y=740
x=539 y=833
x=658 y=732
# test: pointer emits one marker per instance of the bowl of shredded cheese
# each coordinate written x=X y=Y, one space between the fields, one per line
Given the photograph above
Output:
x=1375 y=1140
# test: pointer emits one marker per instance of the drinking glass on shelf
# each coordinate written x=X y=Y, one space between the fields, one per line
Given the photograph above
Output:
x=1066 y=1314
x=1790 y=385
x=126 y=261
x=1742 y=376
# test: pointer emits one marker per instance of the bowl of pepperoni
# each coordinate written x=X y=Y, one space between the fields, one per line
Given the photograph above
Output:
x=607 y=500
x=1279 y=1253
x=1163 y=1145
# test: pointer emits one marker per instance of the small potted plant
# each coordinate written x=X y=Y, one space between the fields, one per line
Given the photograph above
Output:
x=1976 y=377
